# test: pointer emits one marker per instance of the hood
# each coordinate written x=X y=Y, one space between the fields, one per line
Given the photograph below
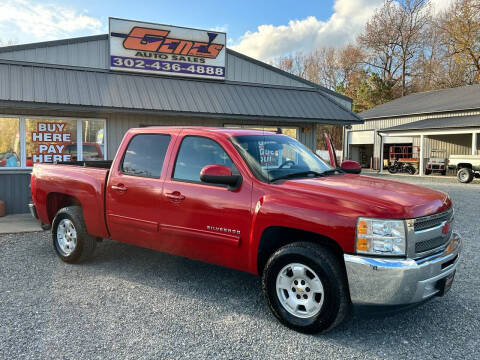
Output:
x=372 y=196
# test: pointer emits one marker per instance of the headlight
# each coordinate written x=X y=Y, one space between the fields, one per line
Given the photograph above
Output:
x=381 y=237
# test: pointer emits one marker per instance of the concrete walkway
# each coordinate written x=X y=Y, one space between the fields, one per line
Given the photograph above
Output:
x=18 y=223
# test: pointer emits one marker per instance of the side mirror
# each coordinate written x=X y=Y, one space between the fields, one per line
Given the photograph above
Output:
x=220 y=174
x=351 y=167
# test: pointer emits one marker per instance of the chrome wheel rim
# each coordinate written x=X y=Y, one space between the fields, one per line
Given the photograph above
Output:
x=66 y=237
x=300 y=290
x=463 y=176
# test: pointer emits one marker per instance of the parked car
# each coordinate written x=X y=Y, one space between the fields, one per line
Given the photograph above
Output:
x=467 y=167
x=437 y=162
x=90 y=151
x=320 y=237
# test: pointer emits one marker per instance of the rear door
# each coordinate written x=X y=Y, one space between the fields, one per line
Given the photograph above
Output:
x=134 y=190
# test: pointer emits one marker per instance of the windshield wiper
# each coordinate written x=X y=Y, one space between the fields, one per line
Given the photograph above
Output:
x=298 y=174
x=333 y=171
x=307 y=173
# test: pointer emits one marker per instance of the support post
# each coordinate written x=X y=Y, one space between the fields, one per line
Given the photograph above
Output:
x=381 y=154
x=420 y=164
x=474 y=143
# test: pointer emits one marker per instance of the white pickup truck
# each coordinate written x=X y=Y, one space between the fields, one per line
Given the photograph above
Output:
x=467 y=166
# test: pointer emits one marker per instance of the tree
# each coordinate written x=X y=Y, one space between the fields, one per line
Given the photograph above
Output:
x=404 y=48
x=7 y=43
x=367 y=90
x=394 y=39
x=411 y=20
x=325 y=66
x=460 y=29
x=380 y=38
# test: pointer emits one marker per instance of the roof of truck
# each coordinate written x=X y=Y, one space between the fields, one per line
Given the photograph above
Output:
x=227 y=131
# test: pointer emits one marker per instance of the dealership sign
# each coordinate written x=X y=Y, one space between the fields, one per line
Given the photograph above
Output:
x=166 y=50
x=51 y=139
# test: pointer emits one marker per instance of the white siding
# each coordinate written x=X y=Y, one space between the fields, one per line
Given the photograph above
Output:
x=384 y=123
x=92 y=54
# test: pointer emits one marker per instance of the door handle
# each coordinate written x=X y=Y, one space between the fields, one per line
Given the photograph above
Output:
x=175 y=196
x=120 y=188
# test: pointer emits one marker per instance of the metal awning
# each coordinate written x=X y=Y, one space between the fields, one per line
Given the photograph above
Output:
x=454 y=124
x=31 y=86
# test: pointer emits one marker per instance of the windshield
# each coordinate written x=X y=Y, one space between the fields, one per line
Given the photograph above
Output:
x=271 y=157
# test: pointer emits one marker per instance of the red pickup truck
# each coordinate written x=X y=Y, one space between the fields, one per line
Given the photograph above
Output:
x=321 y=238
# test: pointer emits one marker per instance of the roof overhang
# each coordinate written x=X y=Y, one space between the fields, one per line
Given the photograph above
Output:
x=464 y=124
x=20 y=107
x=87 y=90
x=428 y=132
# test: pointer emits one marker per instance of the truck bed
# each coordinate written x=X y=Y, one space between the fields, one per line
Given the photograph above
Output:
x=81 y=181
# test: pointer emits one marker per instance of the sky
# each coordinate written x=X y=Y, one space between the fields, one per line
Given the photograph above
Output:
x=263 y=29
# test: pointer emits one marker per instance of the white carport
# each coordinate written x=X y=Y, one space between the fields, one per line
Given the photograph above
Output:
x=448 y=128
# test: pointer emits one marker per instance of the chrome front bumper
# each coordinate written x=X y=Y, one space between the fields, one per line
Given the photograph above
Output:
x=383 y=281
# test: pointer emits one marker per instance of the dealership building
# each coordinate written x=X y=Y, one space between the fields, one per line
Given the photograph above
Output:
x=420 y=126
x=74 y=99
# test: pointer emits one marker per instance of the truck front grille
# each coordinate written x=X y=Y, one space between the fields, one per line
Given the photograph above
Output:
x=427 y=222
x=430 y=244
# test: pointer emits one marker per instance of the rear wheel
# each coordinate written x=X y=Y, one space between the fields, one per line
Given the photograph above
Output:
x=70 y=238
x=465 y=175
x=305 y=287
x=392 y=169
x=428 y=171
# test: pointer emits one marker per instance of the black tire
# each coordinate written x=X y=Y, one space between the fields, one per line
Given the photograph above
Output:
x=336 y=300
x=85 y=243
x=45 y=226
x=428 y=172
x=444 y=172
x=465 y=175
x=411 y=170
x=392 y=169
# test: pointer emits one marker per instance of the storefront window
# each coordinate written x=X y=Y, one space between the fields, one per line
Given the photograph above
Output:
x=93 y=138
x=10 y=156
x=25 y=141
x=50 y=140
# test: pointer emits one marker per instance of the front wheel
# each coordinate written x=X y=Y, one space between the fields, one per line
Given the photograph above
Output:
x=306 y=288
x=465 y=175
x=71 y=241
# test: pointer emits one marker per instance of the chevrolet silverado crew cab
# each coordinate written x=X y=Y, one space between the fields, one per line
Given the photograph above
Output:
x=321 y=238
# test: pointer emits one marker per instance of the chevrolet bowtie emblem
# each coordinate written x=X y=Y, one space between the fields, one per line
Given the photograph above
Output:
x=299 y=290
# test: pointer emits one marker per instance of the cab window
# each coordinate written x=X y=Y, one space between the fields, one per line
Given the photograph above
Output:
x=145 y=155
x=195 y=153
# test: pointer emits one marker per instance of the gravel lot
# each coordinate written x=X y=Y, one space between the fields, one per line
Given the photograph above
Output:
x=130 y=302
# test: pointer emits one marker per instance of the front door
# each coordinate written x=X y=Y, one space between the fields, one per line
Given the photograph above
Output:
x=134 y=190
x=204 y=221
